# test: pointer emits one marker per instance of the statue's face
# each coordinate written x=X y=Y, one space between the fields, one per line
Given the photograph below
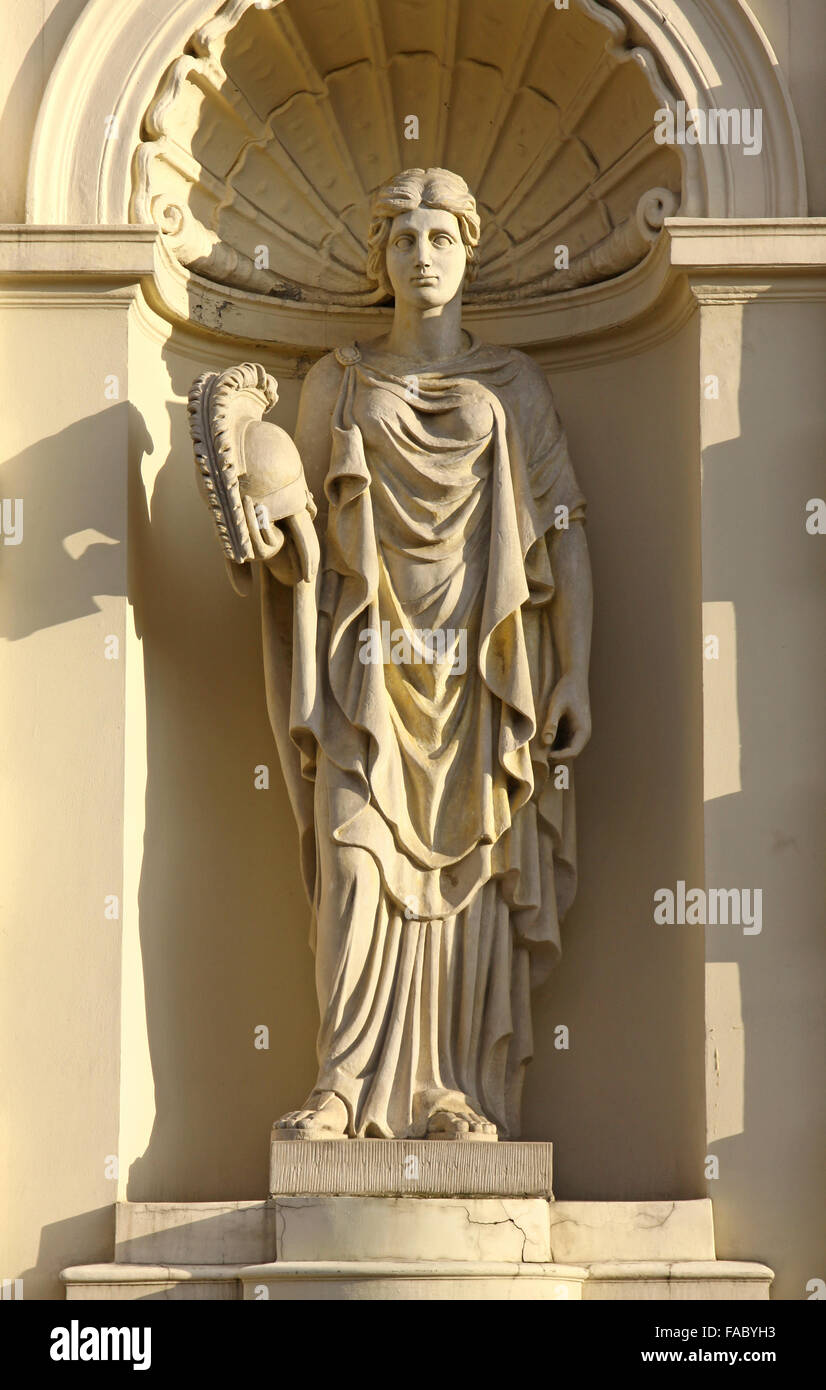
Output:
x=426 y=258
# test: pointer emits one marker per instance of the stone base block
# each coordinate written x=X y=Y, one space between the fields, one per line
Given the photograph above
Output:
x=394 y=1281
x=412 y=1228
x=409 y=1248
x=692 y=1281
x=587 y=1231
x=194 y=1233
x=416 y=1280
x=122 y=1283
x=408 y=1168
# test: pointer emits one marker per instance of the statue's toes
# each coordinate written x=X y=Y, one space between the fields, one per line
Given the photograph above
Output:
x=448 y=1122
x=288 y=1121
x=460 y=1124
x=308 y=1119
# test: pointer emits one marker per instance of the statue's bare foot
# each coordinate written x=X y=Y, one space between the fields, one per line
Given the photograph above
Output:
x=462 y=1123
x=323 y=1116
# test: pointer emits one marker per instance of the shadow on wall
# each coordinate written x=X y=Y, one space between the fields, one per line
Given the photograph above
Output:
x=74 y=555
x=224 y=919
x=68 y=566
x=759 y=558
x=88 y=1238
x=223 y=915
x=623 y=1101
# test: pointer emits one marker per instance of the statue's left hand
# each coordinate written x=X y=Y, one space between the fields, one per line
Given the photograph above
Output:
x=567 y=726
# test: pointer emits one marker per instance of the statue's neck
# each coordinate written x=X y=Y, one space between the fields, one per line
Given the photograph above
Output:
x=429 y=335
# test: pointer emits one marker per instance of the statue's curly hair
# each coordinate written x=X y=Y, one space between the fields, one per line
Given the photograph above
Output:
x=420 y=188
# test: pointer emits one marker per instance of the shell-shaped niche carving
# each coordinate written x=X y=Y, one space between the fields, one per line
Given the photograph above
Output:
x=267 y=138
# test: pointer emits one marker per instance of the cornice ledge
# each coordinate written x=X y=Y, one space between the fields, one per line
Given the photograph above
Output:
x=734 y=261
x=778 y=244
x=106 y=257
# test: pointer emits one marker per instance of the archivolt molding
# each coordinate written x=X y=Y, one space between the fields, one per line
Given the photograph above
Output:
x=715 y=55
x=89 y=124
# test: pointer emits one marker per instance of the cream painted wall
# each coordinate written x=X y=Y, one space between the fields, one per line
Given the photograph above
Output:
x=763 y=461
x=62 y=593
x=625 y=1105
x=33 y=33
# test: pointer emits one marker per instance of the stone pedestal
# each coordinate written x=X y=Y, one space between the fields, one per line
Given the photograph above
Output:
x=409 y=1168
x=415 y=1221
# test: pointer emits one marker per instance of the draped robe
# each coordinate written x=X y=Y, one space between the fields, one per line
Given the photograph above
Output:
x=437 y=849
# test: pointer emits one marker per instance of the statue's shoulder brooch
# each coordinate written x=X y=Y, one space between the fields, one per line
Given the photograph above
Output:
x=348 y=356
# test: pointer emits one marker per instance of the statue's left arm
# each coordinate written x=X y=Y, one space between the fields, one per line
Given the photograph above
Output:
x=567 y=726
x=560 y=508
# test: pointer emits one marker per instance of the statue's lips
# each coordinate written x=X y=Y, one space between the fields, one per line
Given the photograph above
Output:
x=425 y=280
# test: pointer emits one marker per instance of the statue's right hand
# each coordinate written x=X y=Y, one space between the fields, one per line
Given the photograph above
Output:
x=288 y=547
x=266 y=536
x=305 y=539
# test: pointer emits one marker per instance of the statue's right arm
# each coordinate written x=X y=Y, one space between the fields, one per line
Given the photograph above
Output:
x=290 y=547
x=282 y=649
x=292 y=551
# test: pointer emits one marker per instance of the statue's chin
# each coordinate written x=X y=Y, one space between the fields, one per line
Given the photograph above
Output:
x=425 y=296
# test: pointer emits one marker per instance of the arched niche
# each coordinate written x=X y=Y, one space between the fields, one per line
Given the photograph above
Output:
x=267 y=122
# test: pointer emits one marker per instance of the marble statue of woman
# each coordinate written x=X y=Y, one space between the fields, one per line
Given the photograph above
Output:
x=427 y=618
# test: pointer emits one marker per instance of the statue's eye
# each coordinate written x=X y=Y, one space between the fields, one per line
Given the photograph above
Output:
x=443 y=239
x=404 y=243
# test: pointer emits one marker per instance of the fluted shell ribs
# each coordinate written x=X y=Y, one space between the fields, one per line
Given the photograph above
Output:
x=221 y=405
x=266 y=140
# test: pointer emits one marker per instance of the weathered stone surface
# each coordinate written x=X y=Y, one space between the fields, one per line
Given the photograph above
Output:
x=414 y=1280
x=688 y=1281
x=120 y=1283
x=189 y=1233
x=583 y=1231
x=409 y=1228
x=405 y=1248
x=409 y=1168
